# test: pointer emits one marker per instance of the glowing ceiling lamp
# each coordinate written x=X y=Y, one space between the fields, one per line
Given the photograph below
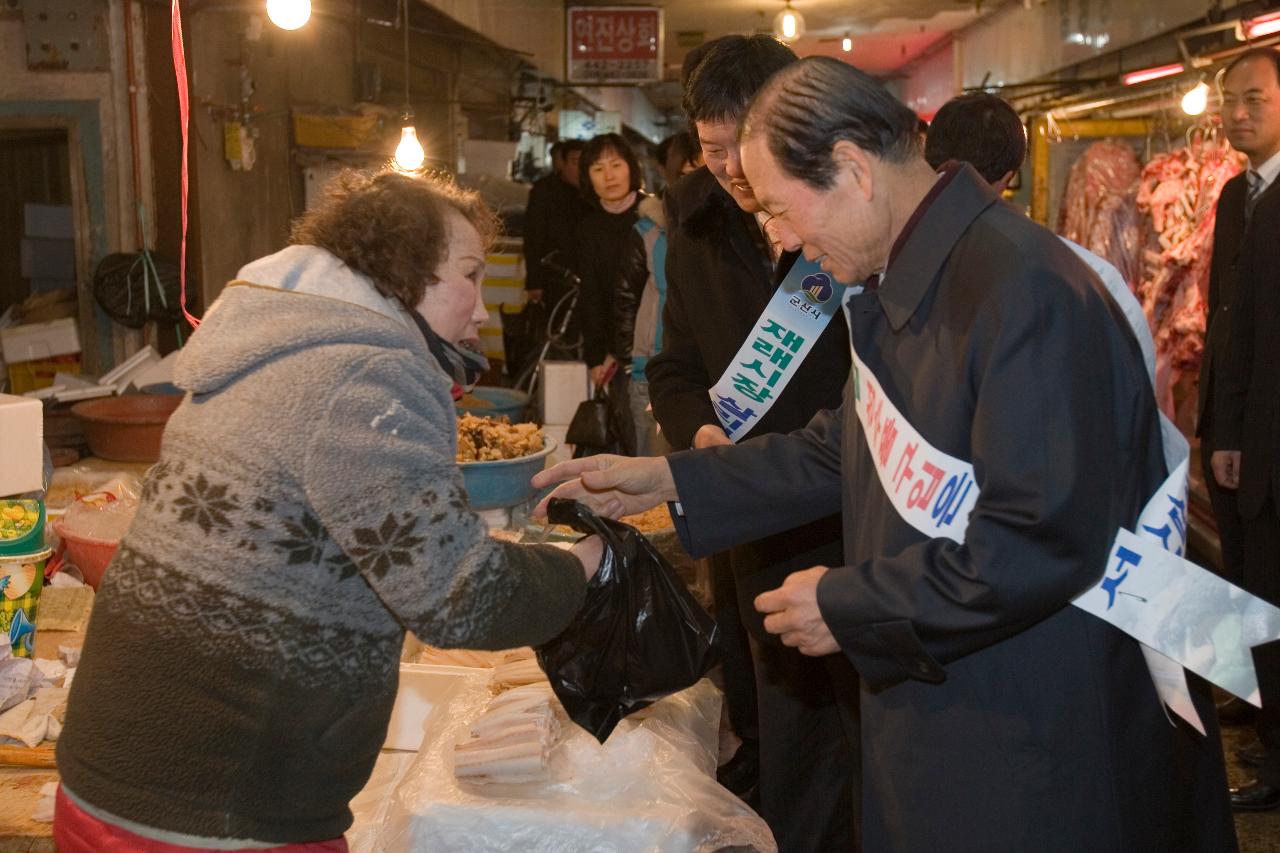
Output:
x=1148 y=74
x=846 y=43
x=1264 y=25
x=1195 y=101
x=410 y=155
x=789 y=24
x=289 y=14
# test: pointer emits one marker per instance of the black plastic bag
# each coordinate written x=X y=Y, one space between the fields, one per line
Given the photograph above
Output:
x=639 y=636
x=136 y=288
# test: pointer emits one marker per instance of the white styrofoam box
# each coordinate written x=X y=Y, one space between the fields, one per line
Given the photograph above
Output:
x=154 y=373
x=48 y=220
x=34 y=341
x=46 y=257
x=21 y=446
x=68 y=387
x=564 y=384
x=133 y=366
x=563 y=451
x=68 y=395
x=424 y=690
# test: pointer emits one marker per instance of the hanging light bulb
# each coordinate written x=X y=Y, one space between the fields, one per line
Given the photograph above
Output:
x=788 y=25
x=1195 y=101
x=289 y=14
x=409 y=153
x=846 y=44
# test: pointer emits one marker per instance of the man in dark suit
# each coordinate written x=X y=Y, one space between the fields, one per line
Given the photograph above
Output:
x=1246 y=406
x=1228 y=231
x=983 y=469
x=722 y=271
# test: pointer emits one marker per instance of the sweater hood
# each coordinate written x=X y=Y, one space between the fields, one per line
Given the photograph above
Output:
x=297 y=298
x=651 y=207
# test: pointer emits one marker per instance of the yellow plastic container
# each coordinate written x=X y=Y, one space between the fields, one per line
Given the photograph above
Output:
x=22 y=560
x=27 y=376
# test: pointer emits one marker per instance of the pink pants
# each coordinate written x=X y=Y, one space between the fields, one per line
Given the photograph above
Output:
x=77 y=831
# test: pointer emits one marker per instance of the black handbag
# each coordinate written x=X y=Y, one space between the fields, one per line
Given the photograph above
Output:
x=591 y=427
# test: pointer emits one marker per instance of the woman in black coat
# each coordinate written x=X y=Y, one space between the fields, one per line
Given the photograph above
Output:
x=610 y=182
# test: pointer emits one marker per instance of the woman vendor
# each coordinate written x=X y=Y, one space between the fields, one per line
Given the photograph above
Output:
x=242 y=659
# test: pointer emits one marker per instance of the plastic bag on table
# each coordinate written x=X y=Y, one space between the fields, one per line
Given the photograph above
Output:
x=650 y=789
x=639 y=636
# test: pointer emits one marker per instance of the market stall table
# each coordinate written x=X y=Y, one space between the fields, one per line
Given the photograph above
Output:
x=20 y=786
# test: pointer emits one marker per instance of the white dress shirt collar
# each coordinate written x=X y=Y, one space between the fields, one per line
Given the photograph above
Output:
x=1268 y=170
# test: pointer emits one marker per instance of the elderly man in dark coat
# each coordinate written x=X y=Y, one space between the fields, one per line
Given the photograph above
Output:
x=996 y=716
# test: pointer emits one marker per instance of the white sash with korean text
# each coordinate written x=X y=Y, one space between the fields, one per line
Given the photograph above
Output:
x=771 y=355
x=1183 y=615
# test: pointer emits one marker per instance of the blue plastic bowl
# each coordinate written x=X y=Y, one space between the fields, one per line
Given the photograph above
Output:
x=504 y=482
x=504 y=401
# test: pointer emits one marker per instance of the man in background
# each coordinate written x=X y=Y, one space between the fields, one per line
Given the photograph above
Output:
x=551 y=216
x=979 y=129
x=1241 y=421
x=984 y=131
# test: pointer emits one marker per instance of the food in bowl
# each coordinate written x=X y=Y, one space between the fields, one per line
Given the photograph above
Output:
x=471 y=401
x=484 y=439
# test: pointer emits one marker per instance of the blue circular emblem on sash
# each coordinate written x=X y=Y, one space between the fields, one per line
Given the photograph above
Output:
x=817 y=288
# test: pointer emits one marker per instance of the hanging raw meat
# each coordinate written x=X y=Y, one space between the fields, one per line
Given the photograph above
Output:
x=1178 y=193
x=1097 y=208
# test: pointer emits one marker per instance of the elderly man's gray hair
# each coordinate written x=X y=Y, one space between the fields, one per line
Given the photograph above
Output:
x=810 y=105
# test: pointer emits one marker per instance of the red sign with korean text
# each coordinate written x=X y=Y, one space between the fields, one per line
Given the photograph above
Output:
x=614 y=44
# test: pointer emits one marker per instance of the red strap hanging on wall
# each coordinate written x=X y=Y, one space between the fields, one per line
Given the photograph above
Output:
x=184 y=115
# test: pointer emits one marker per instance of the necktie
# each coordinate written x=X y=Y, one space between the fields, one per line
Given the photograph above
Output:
x=1255 y=191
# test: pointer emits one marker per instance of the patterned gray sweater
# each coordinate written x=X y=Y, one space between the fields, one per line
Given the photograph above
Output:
x=241 y=661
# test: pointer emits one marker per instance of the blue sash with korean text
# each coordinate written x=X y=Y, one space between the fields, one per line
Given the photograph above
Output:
x=1183 y=615
x=793 y=320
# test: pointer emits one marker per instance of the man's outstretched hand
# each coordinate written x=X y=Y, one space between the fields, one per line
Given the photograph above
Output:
x=612 y=486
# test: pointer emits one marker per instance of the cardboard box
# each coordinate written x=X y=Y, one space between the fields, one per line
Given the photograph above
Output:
x=48 y=220
x=22 y=450
x=334 y=131
x=45 y=257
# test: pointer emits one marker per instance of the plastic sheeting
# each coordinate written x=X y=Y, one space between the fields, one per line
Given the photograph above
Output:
x=649 y=789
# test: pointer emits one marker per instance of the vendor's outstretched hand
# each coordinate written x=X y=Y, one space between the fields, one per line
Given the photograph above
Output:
x=611 y=486
x=791 y=611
